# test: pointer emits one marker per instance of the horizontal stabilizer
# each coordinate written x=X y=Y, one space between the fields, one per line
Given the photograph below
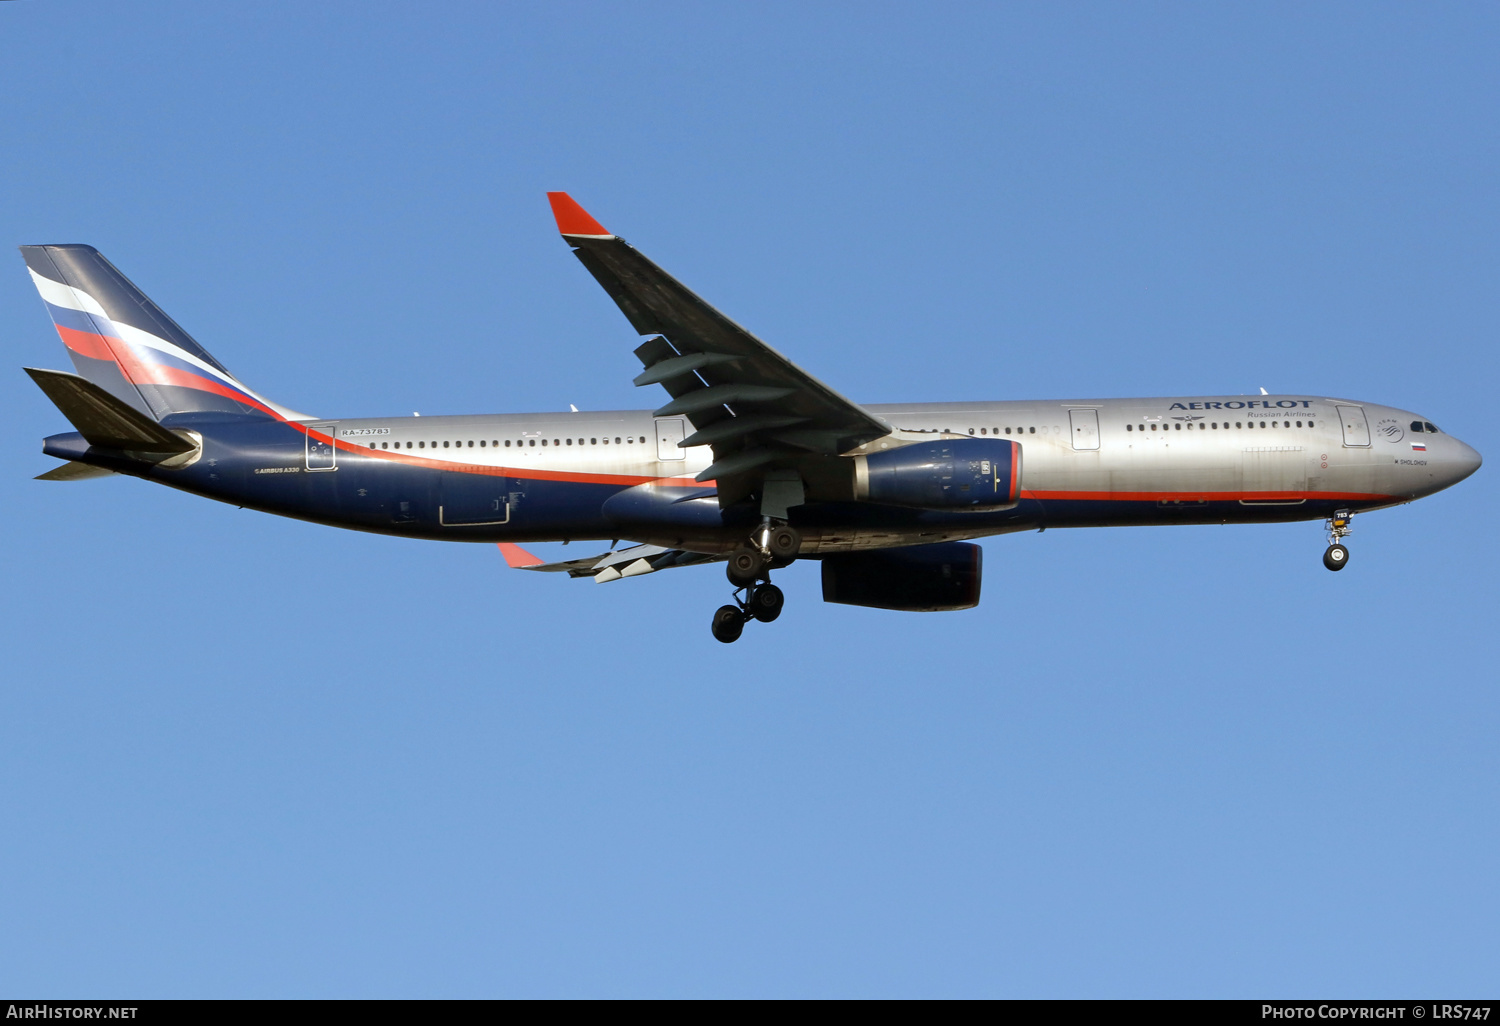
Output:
x=102 y=419
x=74 y=471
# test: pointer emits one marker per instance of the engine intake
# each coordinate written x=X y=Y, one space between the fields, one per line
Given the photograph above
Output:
x=917 y=578
x=978 y=474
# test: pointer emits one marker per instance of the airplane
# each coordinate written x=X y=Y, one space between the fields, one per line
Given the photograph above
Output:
x=751 y=461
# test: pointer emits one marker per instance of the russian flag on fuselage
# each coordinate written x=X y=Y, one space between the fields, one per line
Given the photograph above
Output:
x=122 y=341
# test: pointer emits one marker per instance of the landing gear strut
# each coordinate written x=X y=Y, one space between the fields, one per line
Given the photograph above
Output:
x=1337 y=556
x=772 y=545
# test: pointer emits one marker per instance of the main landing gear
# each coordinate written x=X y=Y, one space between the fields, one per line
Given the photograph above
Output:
x=1337 y=556
x=771 y=547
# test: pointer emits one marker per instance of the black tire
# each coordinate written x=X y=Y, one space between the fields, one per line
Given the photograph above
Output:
x=1336 y=558
x=765 y=603
x=745 y=567
x=729 y=624
x=784 y=543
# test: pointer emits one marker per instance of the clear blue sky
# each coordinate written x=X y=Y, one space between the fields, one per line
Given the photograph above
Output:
x=244 y=756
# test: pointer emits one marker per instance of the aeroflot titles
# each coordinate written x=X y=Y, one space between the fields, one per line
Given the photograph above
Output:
x=1279 y=404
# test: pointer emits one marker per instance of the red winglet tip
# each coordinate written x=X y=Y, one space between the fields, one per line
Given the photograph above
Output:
x=571 y=218
x=517 y=557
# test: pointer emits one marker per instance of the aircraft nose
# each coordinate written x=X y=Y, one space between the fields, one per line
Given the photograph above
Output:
x=1465 y=461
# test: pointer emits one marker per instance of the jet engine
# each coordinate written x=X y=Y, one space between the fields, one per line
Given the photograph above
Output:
x=978 y=474
x=918 y=578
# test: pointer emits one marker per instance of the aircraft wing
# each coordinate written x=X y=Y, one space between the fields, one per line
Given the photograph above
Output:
x=610 y=566
x=753 y=405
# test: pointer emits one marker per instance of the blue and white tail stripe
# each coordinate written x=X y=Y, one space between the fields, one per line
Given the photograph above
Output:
x=125 y=358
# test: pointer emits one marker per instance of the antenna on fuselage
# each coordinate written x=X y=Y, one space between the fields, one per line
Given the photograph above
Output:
x=1264 y=392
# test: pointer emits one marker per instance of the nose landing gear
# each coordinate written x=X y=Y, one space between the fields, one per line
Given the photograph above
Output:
x=1336 y=557
x=773 y=545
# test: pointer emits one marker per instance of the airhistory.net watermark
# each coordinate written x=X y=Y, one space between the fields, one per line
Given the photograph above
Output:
x=43 y=1010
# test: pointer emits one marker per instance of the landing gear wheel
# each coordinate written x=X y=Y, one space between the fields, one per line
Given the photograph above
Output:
x=729 y=624
x=745 y=567
x=784 y=542
x=1336 y=558
x=764 y=603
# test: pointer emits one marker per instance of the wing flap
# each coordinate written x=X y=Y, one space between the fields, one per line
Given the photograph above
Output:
x=712 y=367
x=609 y=566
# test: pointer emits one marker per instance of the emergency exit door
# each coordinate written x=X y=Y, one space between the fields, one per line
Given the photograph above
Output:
x=668 y=435
x=1085 y=424
x=1356 y=428
x=322 y=454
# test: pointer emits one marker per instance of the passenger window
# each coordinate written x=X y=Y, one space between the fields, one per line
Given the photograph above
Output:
x=593 y=441
x=372 y=445
x=643 y=439
x=1299 y=423
x=1129 y=427
x=1007 y=431
x=1153 y=427
x=507 y=443
x=471 y=443
x=1179 y=426
x=1309 y=423
x=556 y=442
x=532 y=443
x=570 y=441
x=1033 y=430
x=1202 y=426
x=445 y=445
x=420 y=445
x=971 y=431
x=617 y=440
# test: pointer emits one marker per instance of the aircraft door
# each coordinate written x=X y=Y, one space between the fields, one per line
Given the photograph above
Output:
x=1085 y=425
x=321 y=453
x=668 y=435
x=469 y=500
x=1356 y=428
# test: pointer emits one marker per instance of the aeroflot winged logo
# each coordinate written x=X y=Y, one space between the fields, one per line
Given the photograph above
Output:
x=1247 y=404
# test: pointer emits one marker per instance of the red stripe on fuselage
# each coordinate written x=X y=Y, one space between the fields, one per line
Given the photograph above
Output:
x=530 y=474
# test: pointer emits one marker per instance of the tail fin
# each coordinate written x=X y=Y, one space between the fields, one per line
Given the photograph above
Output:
x=121 y=341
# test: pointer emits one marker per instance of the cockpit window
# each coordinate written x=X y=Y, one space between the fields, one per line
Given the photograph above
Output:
x=1416 y=426
x=1431 y=426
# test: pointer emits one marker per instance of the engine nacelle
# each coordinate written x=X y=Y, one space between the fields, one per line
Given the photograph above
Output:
x=918 y=578
x=978 y=474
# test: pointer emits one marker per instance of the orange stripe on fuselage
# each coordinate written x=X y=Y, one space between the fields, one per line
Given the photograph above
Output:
x=575 y=476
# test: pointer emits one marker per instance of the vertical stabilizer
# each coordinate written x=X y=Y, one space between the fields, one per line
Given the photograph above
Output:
x=121 y=341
